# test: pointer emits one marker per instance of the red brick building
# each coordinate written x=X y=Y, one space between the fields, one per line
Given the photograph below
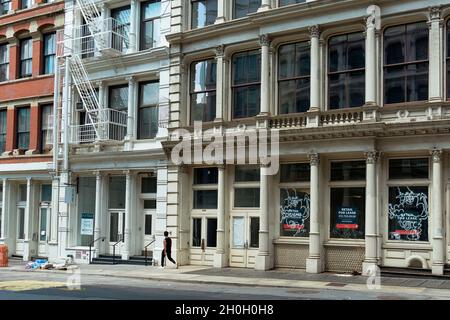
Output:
x=27 y=64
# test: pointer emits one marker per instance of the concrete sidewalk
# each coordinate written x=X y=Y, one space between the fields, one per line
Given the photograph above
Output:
x=273 y=278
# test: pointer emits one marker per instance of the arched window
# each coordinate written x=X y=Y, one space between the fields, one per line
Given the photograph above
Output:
x=346 y=71
x=406 y=63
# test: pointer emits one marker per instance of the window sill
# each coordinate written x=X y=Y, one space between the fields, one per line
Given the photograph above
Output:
x=402 y=245
x=292 y=241
x=360 y=243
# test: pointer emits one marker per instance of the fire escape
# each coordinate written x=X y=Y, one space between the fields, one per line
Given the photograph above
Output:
x=98 y=38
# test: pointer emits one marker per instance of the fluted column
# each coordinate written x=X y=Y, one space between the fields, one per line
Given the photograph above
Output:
x=315 y=68
x=437 y=215
x=314 y=263
x=262 y=261
x=28 y=222
x=98 y=210
x=265 y=74
x=220 y=83
x=370 y=260
x=220 y=256
x=436 y=51
x=371 y=60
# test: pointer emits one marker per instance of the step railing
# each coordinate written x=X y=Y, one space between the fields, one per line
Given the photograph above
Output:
x=146 y=251
x=122 y=239
x=90 y=247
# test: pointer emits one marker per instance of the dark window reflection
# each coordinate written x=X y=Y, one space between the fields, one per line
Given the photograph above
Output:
x=409 y=168
x=347 y=220
x=346 y=71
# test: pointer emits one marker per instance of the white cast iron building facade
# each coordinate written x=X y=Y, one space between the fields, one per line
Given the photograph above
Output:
x=111 y=167
x=358 y=94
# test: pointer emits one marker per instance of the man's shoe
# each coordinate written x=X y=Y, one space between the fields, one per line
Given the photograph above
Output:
x=161 y=267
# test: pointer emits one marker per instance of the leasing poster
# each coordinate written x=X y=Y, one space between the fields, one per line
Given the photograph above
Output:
x=294 y=213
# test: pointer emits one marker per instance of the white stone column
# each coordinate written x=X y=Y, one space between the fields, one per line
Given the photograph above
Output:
x=54 y=212
x=262 y=261
x=128 y=212
x=370 y=260
x=314 y=263
x=265 y=5
x=221 y=11
x=133 y=25
x=436 y=52
x=98 y=211
x=220 y=256
x=101 y=94
x=315 y=68
x=220 y=83
x=131 y=107
x=371 y=60
x=437 y=215
x=265 y=74
x=28 y=222
x=3 y=231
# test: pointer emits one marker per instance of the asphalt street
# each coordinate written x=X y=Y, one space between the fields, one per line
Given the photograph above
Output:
x=48 y=286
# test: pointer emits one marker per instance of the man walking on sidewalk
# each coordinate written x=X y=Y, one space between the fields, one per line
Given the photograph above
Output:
x=167 y=251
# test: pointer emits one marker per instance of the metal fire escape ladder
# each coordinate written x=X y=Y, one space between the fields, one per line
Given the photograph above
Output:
x=93 y=20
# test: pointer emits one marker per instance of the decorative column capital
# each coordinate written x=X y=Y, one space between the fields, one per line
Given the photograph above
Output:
x=220 y=51
x=372 y=157
x=436 y=155
x=314 y=159
x=98 y=174
x=314 y=31
x=372 y=19
x=434 y=13
x=221 y=167
x=131 y=80
x=100 y=83
x=264 y=40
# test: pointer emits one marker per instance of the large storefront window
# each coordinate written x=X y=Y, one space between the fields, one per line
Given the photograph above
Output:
x=294 y=200
x=347 y=200
x=246 y=187
x=408 y=206
x=205 y=188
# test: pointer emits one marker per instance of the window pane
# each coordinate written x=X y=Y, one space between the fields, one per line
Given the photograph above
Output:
x=46 y=193
x=205 y=199
x=22 y=192
x=286 y=2
x=417 y=82
x=149 y=93
x=408 y=213
x=148 y=224
x=43 y=225
x=203 y=76
x=211 y=233
x=117 y=192
x=244 y=7
x=246 y=67
x=118 y=98
x=394 y=45
x=204 y=13
x=395 y=87
x=4 y=62
x=348 y=170
x=417 y=41
x=149 y=185
x=347 y=220
x=238 y=232
x=254 y=232
x=196 y=232
x=294 y=213
x=203 y=106
x=247 y=173
x=246 y=197
x=3 y=114
x=114 y=227
x=205 y=175
x=23 y=128
x=21 y=224
x=148 y=123
x=246 y=101
x=295 y=172
x=408 y=168
x=149 y=204
x=122 y=15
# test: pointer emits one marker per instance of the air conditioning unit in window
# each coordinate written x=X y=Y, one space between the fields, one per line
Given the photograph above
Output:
x=79 y=106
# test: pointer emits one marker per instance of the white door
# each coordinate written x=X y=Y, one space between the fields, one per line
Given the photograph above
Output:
x=203 y=240
x=20 y=230
x=44 y=228
x=116 y=231
x=244 y=240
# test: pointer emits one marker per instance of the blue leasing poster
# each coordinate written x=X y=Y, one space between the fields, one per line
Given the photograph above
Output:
x=87 y=224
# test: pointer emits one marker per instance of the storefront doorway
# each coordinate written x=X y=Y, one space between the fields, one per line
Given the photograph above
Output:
x=44 y=228
x=116 y=231
x=244 y=240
